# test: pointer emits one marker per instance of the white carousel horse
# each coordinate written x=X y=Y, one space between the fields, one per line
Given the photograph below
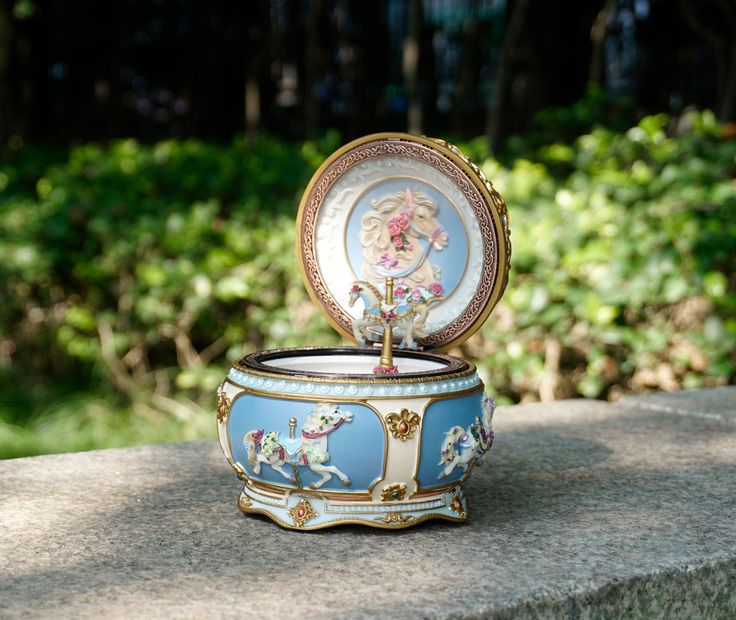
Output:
x=409 y=322
x=309 y=450
x=391 y=233
x=463 y=446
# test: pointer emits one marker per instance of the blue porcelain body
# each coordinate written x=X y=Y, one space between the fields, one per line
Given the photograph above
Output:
x=317 y=448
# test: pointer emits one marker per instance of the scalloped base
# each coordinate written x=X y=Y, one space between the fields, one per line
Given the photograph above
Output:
x=308 y=510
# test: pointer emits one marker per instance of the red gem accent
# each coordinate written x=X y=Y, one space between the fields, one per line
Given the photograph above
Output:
x=404 y=427
x=300 y=512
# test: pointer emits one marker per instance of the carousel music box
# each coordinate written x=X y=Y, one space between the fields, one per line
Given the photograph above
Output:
x=404 y=245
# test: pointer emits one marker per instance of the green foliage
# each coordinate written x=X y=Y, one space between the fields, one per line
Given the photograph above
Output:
x=144 y=271
x=133 y=275
x=624 y=267
x=85 y=422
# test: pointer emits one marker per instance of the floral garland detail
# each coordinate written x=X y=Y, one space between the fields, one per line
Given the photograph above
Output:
x=483 y=437
x=271 y=444
x=418 y=294
x=397 y=227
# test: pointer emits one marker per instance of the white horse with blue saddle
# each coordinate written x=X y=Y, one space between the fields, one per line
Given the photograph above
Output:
x=308 y=450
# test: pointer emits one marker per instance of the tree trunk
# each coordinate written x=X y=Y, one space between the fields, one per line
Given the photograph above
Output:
x=727 y=100
x=468 y=74
x=723 y=43
x=258 y=49
x=410 y=65
x=6 y=39
x=598 y=39
x=313 y=66
x=498 y=109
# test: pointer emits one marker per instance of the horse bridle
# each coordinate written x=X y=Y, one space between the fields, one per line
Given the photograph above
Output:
x=409 y=201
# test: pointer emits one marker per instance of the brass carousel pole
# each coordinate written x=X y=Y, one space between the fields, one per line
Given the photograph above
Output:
x=387 y=354
x=295 y=469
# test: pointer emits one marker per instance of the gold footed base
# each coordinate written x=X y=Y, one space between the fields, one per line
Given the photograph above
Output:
x=297 y=510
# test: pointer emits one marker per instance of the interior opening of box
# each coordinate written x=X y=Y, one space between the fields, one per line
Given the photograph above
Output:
x=351 y=364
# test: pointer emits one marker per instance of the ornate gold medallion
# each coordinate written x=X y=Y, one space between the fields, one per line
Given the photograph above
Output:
x=403 y=425
x=244 y=503
x=456 y=504
x=223 y=404
x=393 y=492
x=302 y=512
x=395 y=518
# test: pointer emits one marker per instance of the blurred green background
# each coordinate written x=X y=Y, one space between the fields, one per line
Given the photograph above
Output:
x=135 y=267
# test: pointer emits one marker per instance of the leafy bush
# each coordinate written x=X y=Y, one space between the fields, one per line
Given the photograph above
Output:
x=135 y=271
x=624 y=266
x=135 y=274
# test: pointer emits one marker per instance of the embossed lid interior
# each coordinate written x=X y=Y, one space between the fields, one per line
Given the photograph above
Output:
x=414 y=209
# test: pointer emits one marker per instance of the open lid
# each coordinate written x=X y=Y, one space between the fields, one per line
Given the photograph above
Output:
x=414 y=209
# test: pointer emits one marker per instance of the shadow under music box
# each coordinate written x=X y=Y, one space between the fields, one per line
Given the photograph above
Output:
x=404 y=245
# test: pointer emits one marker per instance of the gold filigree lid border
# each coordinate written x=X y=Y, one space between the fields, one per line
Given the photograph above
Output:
x=488 y=210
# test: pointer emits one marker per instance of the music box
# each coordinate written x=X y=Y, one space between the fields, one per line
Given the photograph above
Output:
x=404 y=245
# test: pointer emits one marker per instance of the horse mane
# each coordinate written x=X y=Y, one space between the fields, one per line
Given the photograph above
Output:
x=250 y=442
x=373 y=288
x=488 y=406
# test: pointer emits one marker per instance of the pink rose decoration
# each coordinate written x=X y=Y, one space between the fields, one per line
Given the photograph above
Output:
x=436 y=288
x=416 y=294
x=398 y=242
x=402 y=221
x=356 y=288
x=400 y=291
x=394 y=229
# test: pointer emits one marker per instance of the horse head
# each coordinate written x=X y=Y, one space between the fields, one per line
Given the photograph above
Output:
x=346 y=415
x=325 y=417
x=355 y=292
x=391 y=230
x=423 y=222
x=251 y=439
x=370 y=294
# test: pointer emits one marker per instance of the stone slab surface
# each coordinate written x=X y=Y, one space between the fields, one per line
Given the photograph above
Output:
x=717 y=404
x=586 y=509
